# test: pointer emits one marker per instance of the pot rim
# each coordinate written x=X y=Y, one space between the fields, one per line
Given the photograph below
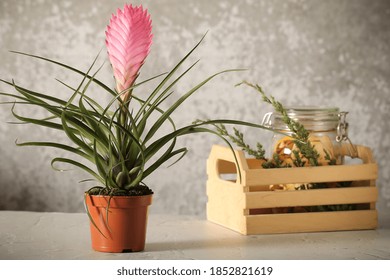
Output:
x=117 y=196
x=119 y=201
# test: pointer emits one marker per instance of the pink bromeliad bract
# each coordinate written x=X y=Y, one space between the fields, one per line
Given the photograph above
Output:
x=128 y=40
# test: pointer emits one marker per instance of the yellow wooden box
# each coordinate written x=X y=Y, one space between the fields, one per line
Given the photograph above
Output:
x=239 y=204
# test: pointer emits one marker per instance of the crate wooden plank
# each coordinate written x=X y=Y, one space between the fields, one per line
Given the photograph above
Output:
x=316 y=174
x=271 y=199
x=229 y=202
x=311 y=222
x=225 y=204
x=234 y=222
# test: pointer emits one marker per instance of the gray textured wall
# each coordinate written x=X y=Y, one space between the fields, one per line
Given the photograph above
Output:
x=334 y=53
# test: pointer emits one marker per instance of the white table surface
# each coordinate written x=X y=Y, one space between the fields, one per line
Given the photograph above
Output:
x=34 y=235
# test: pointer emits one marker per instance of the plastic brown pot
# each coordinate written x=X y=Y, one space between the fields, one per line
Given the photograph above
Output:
x=127 y=222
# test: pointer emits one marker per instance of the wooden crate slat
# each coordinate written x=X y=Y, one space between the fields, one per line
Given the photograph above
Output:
x=271 y=199
x=311 y=174
x=311 y=222
x=229 y=202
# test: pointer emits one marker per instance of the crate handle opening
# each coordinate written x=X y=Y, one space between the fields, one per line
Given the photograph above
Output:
x=222 y=164
x=363 y=153
x=226 y=170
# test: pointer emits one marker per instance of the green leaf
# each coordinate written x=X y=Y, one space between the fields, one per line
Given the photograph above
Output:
x=67 y=67
x=150 y=107
x=168 y=112
x=90 y=216
x=58 y=146
x=77 y=164
x=166 y=79
x=166 y=157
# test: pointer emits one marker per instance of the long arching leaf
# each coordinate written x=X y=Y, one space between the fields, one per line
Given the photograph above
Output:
x=77 y=164
x=168 y=112
x=58 y=146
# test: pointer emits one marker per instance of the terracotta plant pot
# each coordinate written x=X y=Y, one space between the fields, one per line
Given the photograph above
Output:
x=127 y=222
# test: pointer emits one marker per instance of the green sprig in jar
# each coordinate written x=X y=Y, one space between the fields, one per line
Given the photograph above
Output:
x=327 y=129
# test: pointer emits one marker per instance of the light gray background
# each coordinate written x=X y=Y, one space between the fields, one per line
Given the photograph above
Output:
x=330 y=53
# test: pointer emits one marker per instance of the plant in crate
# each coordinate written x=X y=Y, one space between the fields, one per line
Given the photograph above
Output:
x=119 y=139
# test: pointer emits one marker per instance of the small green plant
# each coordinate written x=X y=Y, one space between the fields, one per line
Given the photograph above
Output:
x=304 y=154
x=305 y=149
x=238 y=139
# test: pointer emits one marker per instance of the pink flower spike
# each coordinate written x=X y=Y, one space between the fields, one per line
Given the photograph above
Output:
x=128 y=40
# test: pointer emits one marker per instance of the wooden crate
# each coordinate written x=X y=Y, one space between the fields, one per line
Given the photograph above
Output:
x=241 y=204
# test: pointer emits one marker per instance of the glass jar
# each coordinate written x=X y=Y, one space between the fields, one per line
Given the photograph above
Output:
x=327 y=129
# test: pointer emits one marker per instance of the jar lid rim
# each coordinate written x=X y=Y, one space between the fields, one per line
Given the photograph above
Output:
x=329 y=113
x=312 y=109
x=311 y=117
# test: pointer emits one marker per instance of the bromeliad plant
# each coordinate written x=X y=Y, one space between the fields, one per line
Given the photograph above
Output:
x=118 y=138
